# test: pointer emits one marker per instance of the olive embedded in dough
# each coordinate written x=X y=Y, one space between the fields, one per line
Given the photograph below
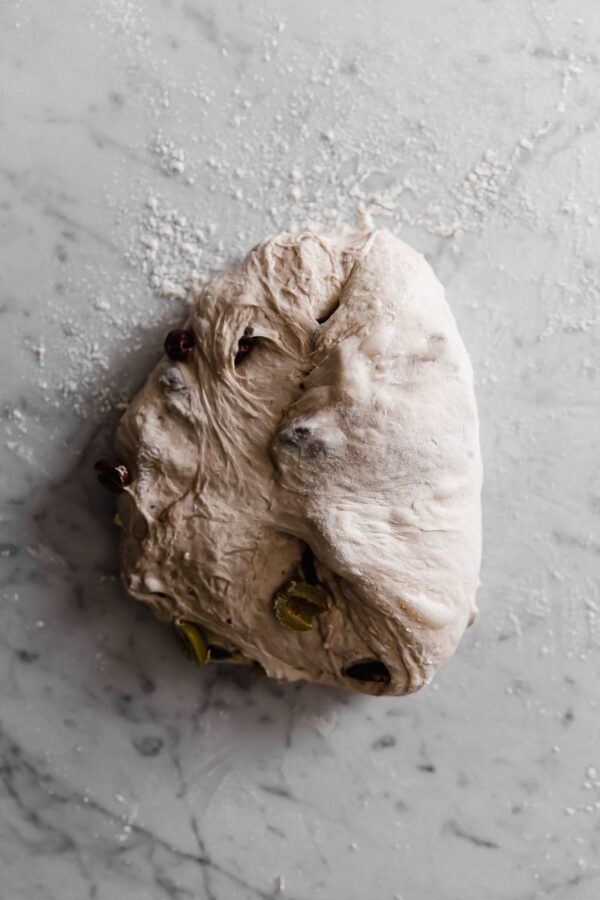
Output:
x=368 y=670
x=112 y=474
x=219 y=654
x=297 y=606
x=308 y=567
x=244 y=348
x=191 y=640
x=245 y=345
x=179 y=344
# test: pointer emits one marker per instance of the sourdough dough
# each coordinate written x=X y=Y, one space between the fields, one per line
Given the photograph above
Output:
x=349 y=431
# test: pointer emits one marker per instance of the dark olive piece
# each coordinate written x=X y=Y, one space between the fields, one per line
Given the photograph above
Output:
x=179 y=344
x=112 y=475
x=368 y=670
x=308 y=567
x=216 y=652
x=244 y=347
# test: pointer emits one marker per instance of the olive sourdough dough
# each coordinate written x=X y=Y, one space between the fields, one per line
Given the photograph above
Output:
x=299 y=480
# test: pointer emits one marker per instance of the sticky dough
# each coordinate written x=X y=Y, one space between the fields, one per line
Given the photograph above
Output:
x=349 y=431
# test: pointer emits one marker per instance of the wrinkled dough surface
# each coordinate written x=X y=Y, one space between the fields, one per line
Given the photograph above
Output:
x=350 y=427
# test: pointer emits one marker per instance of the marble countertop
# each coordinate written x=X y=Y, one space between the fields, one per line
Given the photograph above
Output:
x=146 y=143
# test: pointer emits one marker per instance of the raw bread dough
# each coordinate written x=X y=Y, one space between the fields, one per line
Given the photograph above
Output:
x=355 y=435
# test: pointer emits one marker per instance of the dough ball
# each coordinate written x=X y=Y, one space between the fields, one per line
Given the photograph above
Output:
x=303 y=468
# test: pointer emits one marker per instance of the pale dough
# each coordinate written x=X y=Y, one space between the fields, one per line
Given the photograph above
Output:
x=357 y=436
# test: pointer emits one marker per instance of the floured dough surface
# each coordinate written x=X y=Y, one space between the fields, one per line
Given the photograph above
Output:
x=341 y=450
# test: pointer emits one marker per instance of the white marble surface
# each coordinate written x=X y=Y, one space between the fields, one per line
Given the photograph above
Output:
x=146 y=142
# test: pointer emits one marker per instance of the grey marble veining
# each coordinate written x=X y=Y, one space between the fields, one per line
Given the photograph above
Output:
x=145 y=144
